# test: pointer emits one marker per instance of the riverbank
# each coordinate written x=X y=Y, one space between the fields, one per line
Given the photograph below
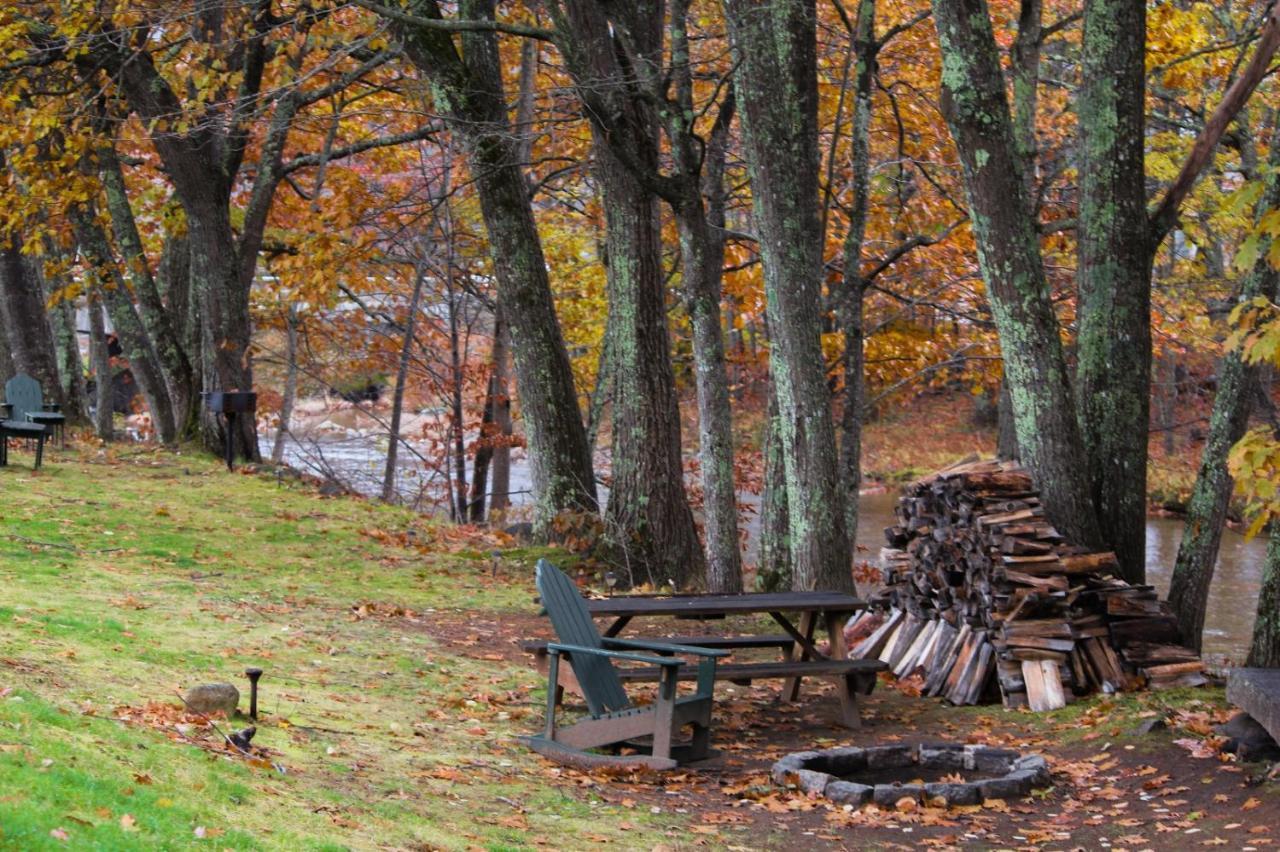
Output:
x=394 y=690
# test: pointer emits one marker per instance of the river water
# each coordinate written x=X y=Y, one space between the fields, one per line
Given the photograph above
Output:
x=358 y=461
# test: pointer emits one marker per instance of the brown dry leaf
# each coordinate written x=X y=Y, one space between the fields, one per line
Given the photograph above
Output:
x=1250 y=804
x=128 y=823
x=58 y=834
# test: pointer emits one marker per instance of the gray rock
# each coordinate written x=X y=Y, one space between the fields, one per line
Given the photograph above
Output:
x=942 y=756
x=1037 y=766
x=813 y=783
x=840 y=761
x=789 y=765
x=1247 y=739
x=986 y=759
x=955 y=794
x=212 y=698
x=1150 y=726
x=848 y=793
x=1008 y=787
x=890 y=757
x=1257 y=692
x=887 y=795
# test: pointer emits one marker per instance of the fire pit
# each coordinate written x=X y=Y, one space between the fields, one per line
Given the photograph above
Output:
x=958 y=774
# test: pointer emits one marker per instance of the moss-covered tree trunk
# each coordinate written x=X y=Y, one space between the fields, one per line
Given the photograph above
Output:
x=1228 y=420
x=133 y=337
x=773 y=568
x=854 y=286
x=26 y=322
x=774 y=44
x=702 y=249
x=156 y=320
x=1003 y=222
x=648 y=514
x=1264 y=651
x=1113 y=375
x=100 y=364
x=467 y=86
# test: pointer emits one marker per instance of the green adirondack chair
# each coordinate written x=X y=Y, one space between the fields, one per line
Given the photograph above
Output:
x=26 y=399
x=615 y=722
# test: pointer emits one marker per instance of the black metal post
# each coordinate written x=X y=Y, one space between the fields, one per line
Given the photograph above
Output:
x=253 y=674
x=231 y=438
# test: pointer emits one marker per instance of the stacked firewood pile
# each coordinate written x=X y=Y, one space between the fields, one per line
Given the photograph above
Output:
x=984 y=595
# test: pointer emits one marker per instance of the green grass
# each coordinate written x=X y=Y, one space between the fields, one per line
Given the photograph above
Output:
x=128 y=574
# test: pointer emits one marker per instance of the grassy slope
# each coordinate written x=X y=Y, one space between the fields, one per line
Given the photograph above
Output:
x=174 y=572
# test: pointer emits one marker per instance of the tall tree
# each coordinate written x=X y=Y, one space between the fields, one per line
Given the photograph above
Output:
x=1232 y=403
x=1004 y=226
x=648 y=514
x=1264 y=650
x=467 y=80
x=1113 y=374
x=774 y=44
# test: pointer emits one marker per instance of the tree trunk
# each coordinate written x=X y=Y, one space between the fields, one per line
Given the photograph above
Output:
x=26 y=322
x=648 y=514
x=974 y=104
x=484 y=456
x=138 y=348
x=1006 y=431
x=853 y=286
x=1025 y=68
x=775 y=46
x=100 y=362
x=475 y=105
x=500 y=490
x=290 y=383
x=773 y=573
x=459 y=497
x=1264 y=652
x=1113 y=374
x=1211 y=494
x=702 y=251
x=75 y=398
x=222 y=306
x=397 y=395
x=155 y=316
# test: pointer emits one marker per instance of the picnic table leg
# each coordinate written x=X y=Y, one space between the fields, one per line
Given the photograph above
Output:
x=835 y=630
x=791 y=686
x=846 y=689
x=616 y=628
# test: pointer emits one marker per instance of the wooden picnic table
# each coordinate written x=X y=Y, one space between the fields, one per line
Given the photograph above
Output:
x=801 y=656
x=833 y=607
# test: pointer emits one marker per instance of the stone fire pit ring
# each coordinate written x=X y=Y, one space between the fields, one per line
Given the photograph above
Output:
x=833 y=773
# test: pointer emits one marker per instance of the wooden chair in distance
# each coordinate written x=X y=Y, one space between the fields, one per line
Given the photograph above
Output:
x=615 y=722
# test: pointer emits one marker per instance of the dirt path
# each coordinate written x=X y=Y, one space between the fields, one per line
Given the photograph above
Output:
x=1112 y=787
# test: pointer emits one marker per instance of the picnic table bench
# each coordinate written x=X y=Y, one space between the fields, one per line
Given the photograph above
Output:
x=800 y=656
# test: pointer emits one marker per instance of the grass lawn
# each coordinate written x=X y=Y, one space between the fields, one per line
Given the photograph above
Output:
x=393 y=693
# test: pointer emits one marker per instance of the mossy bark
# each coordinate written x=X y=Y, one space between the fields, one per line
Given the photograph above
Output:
x=154 y=313
x=133 y=337
x=854 y=286
x=773 y=571
x=615 y=56
x=1003 y=222
x=1113 y=375
x=774 y=44
x=202 y=165
x=468 y=90
x=26 y=322
x=1264 y=651
x=1211 y=495
x=100 y=364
